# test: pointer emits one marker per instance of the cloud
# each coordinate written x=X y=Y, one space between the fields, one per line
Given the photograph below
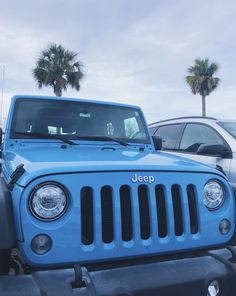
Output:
x=132 y=51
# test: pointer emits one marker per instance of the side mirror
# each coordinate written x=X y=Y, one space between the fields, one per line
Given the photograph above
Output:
x=214 y=150
x=157 y=142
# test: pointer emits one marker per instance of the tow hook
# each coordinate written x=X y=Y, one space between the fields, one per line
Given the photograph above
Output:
x=83 y=280
x=233 y=253
x=78 y=283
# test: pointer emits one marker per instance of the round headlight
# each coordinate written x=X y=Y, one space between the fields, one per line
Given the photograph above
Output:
x=213 y=195
x=48 y=201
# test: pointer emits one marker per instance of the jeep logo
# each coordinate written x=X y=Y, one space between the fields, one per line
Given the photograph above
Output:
x=147 y=179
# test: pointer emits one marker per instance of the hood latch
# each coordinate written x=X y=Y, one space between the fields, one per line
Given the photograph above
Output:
x=15 y=176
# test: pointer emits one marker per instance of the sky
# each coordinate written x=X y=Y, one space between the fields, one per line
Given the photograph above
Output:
x=132 y=51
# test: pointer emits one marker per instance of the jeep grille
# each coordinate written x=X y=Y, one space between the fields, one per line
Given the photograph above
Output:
x=135 y=211
x=111 y=217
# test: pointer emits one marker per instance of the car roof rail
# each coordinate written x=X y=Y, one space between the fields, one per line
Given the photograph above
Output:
x=184 y=117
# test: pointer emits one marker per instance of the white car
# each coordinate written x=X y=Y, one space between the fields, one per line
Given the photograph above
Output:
x=204 y=139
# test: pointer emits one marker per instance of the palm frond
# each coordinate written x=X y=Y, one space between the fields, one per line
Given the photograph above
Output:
x=201 y=79
x=58 y=67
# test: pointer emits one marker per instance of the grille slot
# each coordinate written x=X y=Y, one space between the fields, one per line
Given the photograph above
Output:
x=161 y=211
x=126 y=213
x=177 y=208
x=87 y=216
x=193 y=215
x=107 y=214
x=144 y=213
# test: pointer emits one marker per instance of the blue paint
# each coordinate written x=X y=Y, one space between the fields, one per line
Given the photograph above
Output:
x=89 y=164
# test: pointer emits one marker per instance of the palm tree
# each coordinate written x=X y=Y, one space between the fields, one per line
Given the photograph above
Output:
x=201 y=80
x=58 y=68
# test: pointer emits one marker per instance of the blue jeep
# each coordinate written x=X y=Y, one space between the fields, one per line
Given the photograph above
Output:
x=88 y=206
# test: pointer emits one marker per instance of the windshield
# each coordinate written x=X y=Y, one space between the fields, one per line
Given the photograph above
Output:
x=73 y=119
x=230 y=127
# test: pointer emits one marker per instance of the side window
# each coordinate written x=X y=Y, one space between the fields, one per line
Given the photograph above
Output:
x=196 y=134
x=169 y=134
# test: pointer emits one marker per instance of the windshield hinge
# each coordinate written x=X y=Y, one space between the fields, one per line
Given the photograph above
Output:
x=15 y=176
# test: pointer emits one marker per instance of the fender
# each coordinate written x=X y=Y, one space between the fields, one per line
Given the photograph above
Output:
x=7 y=226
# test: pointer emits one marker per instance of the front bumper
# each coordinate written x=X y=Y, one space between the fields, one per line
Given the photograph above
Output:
x=188 y=276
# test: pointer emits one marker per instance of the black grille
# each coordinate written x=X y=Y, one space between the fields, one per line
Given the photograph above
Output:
x=87 y=217
x=144 y=214
x=107 y=214
x=180 y=201
x=161 y=211
x=193 y=214
x=126 y=213
x=177 y=209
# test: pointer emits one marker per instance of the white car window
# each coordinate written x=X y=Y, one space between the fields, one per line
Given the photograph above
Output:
x=169 y=134
x=196 y=134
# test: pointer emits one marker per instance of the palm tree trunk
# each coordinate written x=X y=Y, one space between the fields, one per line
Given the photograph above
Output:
x=57 y=90
x=203 y=105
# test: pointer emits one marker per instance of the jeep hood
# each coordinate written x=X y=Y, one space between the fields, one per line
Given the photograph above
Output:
x=53 y=160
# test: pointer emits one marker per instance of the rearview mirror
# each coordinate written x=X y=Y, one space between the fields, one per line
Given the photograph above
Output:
x=157 y=142
x=214 y=150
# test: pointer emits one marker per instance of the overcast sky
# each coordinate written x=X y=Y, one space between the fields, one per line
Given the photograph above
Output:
x=133 y=51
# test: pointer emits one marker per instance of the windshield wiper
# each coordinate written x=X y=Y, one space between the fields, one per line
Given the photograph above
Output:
x=48 y=136
x=75 y=137
x=101 y=138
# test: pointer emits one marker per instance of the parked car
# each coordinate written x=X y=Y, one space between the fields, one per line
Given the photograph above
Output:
x=89 y=207
x=204 y=139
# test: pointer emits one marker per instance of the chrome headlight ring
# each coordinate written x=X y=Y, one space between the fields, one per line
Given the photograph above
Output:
x=213 y=194
x=48 y=201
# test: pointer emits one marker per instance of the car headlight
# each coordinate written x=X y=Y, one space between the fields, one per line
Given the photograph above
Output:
x=48 y=201
x=214 y=195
